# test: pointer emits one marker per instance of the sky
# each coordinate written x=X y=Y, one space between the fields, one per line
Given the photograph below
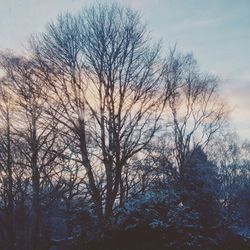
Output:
x=217 y=32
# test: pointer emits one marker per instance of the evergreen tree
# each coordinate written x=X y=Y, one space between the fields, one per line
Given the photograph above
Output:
x=200 y=187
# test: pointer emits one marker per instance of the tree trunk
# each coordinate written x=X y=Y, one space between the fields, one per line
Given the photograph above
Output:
x=11 y=230
x=35 y=210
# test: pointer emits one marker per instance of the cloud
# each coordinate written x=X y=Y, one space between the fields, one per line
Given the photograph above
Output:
x=195 y=23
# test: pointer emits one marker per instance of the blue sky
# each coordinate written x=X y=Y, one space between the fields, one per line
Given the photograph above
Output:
x=216 y=31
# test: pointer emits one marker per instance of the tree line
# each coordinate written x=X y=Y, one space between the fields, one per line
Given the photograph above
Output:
x=97 y=124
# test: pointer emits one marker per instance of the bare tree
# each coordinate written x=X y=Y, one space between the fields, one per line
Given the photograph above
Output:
x=232 y=158
x=36 y=132
x=104 y=77
x=197 y=112
x=6 y=162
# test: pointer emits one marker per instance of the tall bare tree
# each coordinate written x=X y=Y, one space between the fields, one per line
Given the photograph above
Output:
x=104 y=76
x=196 y=109
x=6 y=162
x=36 y=132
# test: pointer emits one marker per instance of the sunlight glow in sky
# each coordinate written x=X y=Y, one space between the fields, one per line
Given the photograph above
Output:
x=216 y=31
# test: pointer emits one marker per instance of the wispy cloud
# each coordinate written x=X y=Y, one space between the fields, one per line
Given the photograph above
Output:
x=189 y=24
